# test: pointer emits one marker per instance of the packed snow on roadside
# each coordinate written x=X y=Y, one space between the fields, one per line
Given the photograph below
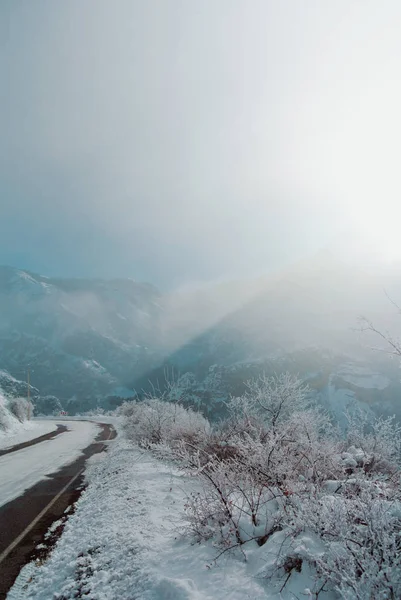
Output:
x=15 y=426
x=24 y=468
x=25 y=432
x=129 y=539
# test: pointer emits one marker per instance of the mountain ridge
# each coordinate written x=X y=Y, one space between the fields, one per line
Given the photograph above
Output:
x=89 y=340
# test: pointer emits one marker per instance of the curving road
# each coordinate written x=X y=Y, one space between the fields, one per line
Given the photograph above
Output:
x=38 y=482
x=41 y=438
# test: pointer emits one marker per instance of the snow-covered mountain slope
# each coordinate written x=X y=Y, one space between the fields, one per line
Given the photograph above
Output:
x=315 y=303
x=88 y=340
x=79 y=338
x=13 y=387
x=305 y=319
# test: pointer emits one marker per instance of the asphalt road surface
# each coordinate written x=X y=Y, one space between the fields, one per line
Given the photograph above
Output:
x=25 y=520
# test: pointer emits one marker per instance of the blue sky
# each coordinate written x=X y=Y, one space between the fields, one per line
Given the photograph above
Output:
x=181 y=141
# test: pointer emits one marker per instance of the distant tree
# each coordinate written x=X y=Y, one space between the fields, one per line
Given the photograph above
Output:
x=272 y=399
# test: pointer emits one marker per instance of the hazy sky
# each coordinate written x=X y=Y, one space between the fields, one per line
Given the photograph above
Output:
x=178 y=140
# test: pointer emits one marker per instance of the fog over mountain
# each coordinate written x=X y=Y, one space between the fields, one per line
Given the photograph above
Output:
x=176 y=142
x=241 y=158
x=200 y=238
x=94 y=342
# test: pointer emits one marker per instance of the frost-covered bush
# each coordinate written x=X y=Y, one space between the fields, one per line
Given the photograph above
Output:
x=271 y=399
x=361 y=532
x=253 y=464
x=277 y=472
x=12 y=412
x=99 y=412
x=154 y=421
x=20 y=408
x=235 y=504
x=280 y=432
x=127 y=408
x=378 y=441
x=278 y=468
x=6 y=418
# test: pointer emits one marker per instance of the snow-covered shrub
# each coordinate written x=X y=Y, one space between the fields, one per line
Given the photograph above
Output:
x=20 y=408
x=361 y=533
x=378 y=442
x=154 y=421
x=259 y=458
x=278 y=472
x=270 y=472
x=13 y=411
x=127 y=408
x=271 y=399
x=6 y=418
x=99 y=412
x=280 y=432
x=234 y=506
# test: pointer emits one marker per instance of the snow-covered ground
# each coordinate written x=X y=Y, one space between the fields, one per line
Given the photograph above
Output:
x=26 y=431
x=363 y=377
x=128 y=539
x=20 y=470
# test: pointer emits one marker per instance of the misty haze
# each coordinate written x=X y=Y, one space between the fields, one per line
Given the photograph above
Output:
x=200 y=300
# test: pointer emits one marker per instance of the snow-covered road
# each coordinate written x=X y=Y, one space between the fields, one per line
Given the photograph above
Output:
x=27 y=431
x=20 y=470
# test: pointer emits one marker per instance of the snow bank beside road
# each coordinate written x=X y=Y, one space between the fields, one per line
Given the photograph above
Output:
x=25 y=432
x=125 y=541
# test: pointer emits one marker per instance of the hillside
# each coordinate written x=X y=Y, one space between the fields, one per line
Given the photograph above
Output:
x=93 y=342
x=80 y=339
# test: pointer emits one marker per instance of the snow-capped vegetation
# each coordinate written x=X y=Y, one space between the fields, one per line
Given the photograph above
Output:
x=13 y=413
x=127 y=538
x=274 y=502
x=277 y=473
x=155 y=421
